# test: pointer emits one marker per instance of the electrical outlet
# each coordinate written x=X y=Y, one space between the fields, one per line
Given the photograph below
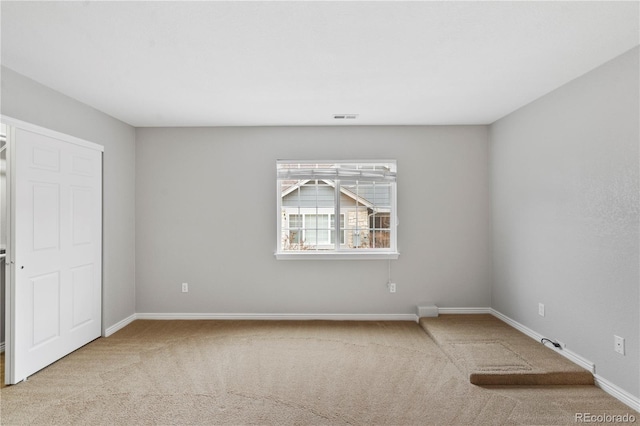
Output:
x=392 y=287
x=185 y=287
x=541 y=309
x=618 y=344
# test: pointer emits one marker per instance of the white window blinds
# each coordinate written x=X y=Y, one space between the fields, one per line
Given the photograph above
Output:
x=361 y=171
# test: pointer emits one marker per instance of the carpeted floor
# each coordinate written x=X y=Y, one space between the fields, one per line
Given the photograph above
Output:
x=280 y=373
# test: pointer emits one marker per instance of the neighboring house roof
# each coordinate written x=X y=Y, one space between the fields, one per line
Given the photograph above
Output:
x=360 y=199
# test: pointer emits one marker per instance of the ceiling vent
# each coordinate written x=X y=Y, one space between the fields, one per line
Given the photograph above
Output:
x=345 y=116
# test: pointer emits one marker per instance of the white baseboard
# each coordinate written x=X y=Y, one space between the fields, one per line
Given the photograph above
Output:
x=1 y=347
x=621 y=395
x=121 y=324
x=478 y=310
x=567 y=353
x=266 y=317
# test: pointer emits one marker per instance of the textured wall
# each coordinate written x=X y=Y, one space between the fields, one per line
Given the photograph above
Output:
x=565 y=216
x=206 y=215
x=26 y=100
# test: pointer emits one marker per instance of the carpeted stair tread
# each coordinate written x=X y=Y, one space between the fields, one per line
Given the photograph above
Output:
x=492 y=352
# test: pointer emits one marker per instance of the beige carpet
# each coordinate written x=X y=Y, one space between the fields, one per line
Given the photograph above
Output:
x=491 y=352
x=279 y=373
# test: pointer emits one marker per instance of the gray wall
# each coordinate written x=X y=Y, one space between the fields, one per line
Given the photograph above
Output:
x=26 y=100
x=206 y=215
x=565 y=216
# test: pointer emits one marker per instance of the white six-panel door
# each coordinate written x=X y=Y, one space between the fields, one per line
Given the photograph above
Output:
x=56 y=252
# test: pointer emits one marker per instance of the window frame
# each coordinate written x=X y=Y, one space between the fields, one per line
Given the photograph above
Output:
x=340 y=251
x=304 y=212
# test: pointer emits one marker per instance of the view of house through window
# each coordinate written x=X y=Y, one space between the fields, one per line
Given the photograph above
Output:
x=360 y=194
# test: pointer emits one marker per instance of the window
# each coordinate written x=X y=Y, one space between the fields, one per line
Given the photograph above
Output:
x=305 y=228
x=311 y=195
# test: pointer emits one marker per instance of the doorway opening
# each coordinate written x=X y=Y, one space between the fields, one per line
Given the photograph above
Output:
x=51 y=288
x=3 y=241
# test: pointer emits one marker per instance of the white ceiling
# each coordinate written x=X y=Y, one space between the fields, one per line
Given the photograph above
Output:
x=203 y=63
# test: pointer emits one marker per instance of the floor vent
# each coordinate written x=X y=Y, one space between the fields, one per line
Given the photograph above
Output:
x=427 y=311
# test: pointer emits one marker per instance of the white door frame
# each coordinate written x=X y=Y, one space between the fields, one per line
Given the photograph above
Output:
x=10 y=283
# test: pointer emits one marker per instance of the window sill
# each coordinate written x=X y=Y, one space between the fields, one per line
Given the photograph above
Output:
x=337 y=256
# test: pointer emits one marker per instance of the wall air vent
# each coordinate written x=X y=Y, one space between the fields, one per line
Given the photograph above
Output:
x=345 y=116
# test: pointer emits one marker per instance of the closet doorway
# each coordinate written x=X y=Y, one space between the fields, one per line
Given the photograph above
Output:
x=53 y=260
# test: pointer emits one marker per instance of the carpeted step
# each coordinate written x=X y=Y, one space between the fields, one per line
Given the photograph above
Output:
x=492 y=352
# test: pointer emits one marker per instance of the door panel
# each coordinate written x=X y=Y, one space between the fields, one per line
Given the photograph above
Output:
x=45 y=158
x=46 y=309
x=81 y=215
x=57 y=250
x=46 y=216
x=83 y=287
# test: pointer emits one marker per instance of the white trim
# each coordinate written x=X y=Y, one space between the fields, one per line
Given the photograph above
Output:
x=477 y=310
x=620 y=394
x=119 y=325
x=9 y=337
x=292 y=188
x=567 y=353
x=304 y=212
x=267 y=317
x=334 y=255
x=1 y=347
x=51 y=133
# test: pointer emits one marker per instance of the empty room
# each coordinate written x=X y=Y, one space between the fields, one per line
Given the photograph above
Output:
x=332 y=212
